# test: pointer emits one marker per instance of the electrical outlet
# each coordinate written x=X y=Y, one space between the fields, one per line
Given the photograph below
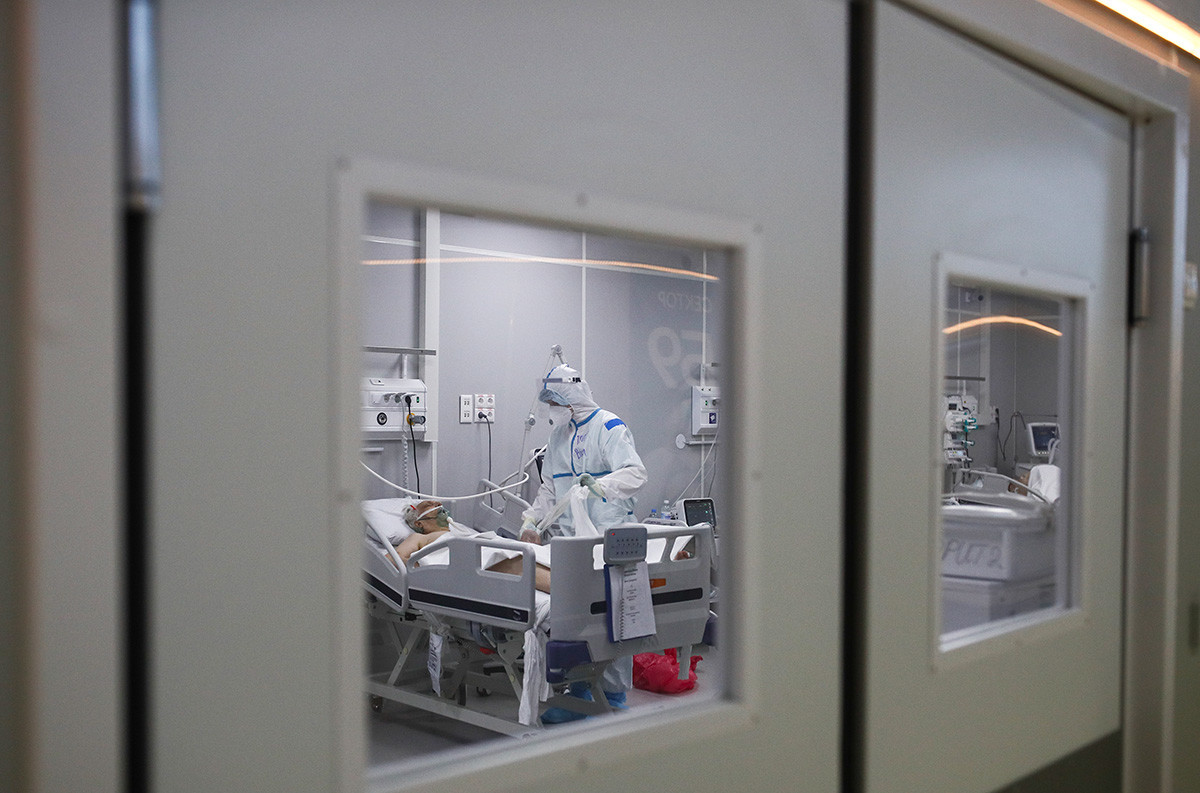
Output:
x=466 y=409
x=485 y=404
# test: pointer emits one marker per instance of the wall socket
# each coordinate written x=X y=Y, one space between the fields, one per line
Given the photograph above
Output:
x=485 y=404
x=471 y=405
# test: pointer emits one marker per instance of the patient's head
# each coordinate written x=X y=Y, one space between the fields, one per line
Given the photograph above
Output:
x=427 y=516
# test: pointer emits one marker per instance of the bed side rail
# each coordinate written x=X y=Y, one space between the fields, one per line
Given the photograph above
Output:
x=383 y=572
x=507 y=519
x=457 y=585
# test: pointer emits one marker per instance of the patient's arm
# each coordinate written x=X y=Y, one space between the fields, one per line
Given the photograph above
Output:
x=515 y=566
x=415 y=542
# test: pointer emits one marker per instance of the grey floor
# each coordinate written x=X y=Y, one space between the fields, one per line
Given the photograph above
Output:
x=398 y=732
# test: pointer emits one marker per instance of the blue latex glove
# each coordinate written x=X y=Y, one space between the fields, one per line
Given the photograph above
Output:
x=589 y=481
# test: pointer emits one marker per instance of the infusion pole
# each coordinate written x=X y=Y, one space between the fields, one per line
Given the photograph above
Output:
x=141 y=190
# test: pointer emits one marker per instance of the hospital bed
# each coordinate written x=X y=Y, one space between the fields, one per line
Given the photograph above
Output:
x=999 y=548
x=495 y=633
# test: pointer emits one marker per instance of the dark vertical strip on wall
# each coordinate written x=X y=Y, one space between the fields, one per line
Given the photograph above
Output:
x=140 y=190
x=143 y=176
x=857 y=372
x=136 y=503
x=15 y=551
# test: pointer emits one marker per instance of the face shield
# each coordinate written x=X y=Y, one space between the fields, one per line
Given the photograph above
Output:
x=554 y=401
x=564 y=386
x=554 y=390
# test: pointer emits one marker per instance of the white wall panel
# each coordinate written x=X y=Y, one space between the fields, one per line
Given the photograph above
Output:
x=69 y=558
x=717 y=108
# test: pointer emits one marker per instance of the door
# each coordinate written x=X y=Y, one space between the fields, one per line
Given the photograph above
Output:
x=998 y=363
x=625 y=117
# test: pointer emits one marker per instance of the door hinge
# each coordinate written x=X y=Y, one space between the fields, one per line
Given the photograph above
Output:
x=1139 y=275
x=1194 y=626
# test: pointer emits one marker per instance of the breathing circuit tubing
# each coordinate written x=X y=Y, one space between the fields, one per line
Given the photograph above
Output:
x=962 y=472
x=712 y=445
x=555 y=351
x=443 y=498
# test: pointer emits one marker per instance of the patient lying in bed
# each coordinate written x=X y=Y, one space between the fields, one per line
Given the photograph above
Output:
x=430 y=522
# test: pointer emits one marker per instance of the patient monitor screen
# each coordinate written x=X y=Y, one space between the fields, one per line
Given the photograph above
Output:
x=699 y=510
x=505 y=366
x=1041 y=435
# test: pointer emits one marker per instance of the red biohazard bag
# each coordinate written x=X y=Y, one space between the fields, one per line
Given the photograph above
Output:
x=660 y=673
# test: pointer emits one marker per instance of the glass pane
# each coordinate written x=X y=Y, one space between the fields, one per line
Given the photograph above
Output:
x=468 y=322
x=1004 y=429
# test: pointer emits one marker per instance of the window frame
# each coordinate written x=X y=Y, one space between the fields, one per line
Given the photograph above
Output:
x=572 y=747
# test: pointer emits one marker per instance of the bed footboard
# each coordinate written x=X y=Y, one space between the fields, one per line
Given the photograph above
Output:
x=680 y=591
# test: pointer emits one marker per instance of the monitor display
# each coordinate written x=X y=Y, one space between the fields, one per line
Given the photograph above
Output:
x=1041 y=434
x=699 y=510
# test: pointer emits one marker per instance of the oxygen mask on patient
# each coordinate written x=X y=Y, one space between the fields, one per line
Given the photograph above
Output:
x=431 y=511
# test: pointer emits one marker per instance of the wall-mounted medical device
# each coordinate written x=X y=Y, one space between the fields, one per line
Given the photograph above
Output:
x=961 y=419
x=706 y=400
x=394 y=406
x=1042 y=436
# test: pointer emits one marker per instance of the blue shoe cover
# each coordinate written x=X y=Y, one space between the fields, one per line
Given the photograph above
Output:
x=562 y=715
x=615 y=699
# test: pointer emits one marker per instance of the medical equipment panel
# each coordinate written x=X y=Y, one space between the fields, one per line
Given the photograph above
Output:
x=962 y=418
x=394 y=406
x=623 y=544
x=705 y=409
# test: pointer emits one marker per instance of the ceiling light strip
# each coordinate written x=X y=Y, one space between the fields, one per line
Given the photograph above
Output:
x=1158 y=22
x=1004 y=320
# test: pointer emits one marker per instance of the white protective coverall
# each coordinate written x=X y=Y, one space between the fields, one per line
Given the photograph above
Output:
x=594 y=441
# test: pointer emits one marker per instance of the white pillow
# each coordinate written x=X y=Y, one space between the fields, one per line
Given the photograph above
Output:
x=386 y=517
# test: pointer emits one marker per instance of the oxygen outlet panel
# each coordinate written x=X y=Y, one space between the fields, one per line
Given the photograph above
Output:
x=706 y=400
x=394 y=406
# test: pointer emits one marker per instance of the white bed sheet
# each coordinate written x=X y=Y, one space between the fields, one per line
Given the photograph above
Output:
x=386 y=517
x=534 y=688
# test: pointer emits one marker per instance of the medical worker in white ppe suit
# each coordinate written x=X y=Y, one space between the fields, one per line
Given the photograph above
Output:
x=589 y=448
